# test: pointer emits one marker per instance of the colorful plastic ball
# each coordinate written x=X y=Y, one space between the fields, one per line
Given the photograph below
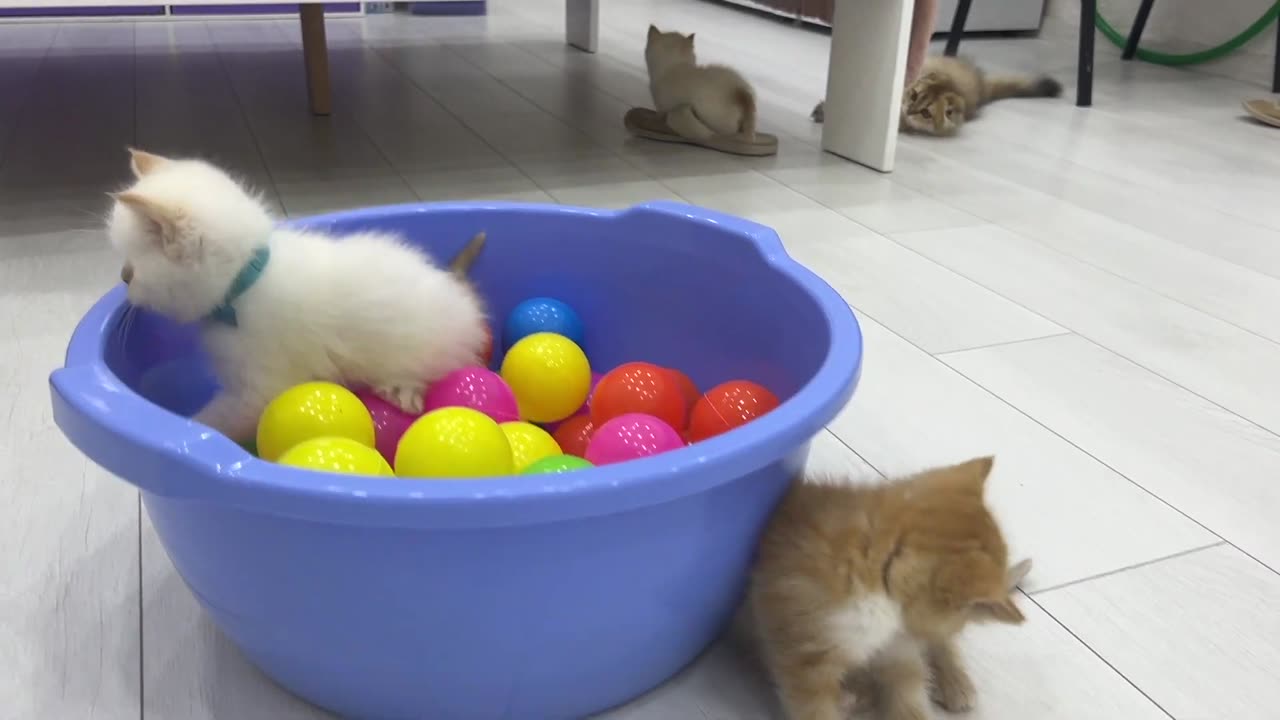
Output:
x=529 y=444
x=389 y=422
x=453 y=442
x=542 y=314
x=727 y=406
x=336 y=455
x=486 y=354
x=556 y=464
x=311 y=410
x=573 y=435
x=476 y=388
x=688 y=390
x=638 y=387
x=549 y=375
x=630 y=437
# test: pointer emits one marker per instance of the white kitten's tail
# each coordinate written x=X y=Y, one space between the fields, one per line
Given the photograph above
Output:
x=466 y=257
x=746 y=101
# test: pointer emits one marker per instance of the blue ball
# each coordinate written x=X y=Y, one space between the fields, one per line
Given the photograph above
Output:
x=542 y=314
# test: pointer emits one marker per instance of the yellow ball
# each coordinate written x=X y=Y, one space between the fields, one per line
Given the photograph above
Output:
x=549 y=375
x=529 y=444
x=312 y=410
x=336 y=455
x=453 y=442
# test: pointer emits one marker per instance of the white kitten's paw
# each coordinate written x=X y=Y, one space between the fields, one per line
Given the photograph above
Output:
x=953 y=691
x=819 y=112
x=407 y=398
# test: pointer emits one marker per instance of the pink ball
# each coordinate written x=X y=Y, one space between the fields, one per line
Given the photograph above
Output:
x=389 y=422
x=631 y=436
x=476 y=388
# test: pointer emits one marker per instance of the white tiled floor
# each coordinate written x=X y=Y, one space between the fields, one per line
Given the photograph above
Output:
x=1091 y=295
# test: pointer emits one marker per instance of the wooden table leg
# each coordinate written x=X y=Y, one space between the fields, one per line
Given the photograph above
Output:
x=869 y=40
x=315 y=52
x=582 y=24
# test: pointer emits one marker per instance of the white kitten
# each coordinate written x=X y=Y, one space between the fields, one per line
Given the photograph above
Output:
x=280 y=307
x=700 y=100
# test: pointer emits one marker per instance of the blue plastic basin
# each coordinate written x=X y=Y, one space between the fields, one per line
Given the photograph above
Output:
x=535 y=598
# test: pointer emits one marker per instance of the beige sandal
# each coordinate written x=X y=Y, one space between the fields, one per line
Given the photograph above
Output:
x=650 y=124
x=1264 y=111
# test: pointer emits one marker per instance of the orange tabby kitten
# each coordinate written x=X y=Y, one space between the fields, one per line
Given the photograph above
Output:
x=859 y=592
x=950 y=91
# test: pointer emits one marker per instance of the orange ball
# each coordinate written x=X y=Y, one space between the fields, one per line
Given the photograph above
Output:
x=573 y=435
x=687 y=389
x=639 y=387
x=727 y=406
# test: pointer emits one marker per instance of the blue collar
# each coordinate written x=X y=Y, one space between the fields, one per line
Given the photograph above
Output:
x=226 y=314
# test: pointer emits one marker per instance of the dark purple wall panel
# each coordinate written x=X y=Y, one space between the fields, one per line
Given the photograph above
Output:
x=105 y=11
x=273 y=9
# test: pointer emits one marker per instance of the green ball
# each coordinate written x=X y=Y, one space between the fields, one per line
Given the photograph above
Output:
x=251 y=446
x=557 y=464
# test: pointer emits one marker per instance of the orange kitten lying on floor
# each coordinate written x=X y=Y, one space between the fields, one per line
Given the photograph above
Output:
x=859 y=592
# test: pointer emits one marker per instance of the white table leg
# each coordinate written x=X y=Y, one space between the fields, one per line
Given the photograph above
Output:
x=582 y=24
x=869 y=41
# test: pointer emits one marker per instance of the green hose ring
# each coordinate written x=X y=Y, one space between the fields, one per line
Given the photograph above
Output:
x=1194 y=58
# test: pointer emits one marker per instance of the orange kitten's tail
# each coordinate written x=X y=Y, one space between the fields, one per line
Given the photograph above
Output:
x=744 y=99
x=999 y=88
x=466 y=257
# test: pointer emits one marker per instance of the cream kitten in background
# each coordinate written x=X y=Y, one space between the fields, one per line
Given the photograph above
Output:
x=279 y=307
x=701 y=101
x=859 y=592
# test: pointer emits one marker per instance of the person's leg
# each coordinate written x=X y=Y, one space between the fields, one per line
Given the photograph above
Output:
x=923 y=20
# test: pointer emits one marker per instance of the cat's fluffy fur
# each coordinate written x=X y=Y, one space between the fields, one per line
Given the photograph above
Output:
x=366 y=310
x=859 y=592
x=701 y=101
x=950 y=91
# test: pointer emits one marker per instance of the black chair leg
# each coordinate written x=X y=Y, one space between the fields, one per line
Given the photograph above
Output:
x=1275 y=73
x=957 y=27
x=1135 y=33
x=1084 y=67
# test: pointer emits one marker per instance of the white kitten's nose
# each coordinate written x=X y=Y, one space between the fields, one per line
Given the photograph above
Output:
x=126 y=273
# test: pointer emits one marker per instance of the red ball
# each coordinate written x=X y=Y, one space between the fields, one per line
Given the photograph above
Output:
x=486 y=353
x=638 y=387
x=573 y=435
x=727 y=406
x=688 y=390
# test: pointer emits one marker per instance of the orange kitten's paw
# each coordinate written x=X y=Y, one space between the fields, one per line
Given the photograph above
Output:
x=861 y=691
x=953 y=691
x=407 y=398
x=907 y=711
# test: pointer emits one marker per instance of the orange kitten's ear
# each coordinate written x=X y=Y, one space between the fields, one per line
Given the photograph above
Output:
x=1017 y=573
x=143 y=163
x=974 y=473
x=161 y=220
x=690 y=39
x=654 y=31
x=1003 y=611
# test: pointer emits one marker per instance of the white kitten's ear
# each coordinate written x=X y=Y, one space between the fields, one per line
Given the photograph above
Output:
x=1017 y=573
x=143 y=163
x=161 y=221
